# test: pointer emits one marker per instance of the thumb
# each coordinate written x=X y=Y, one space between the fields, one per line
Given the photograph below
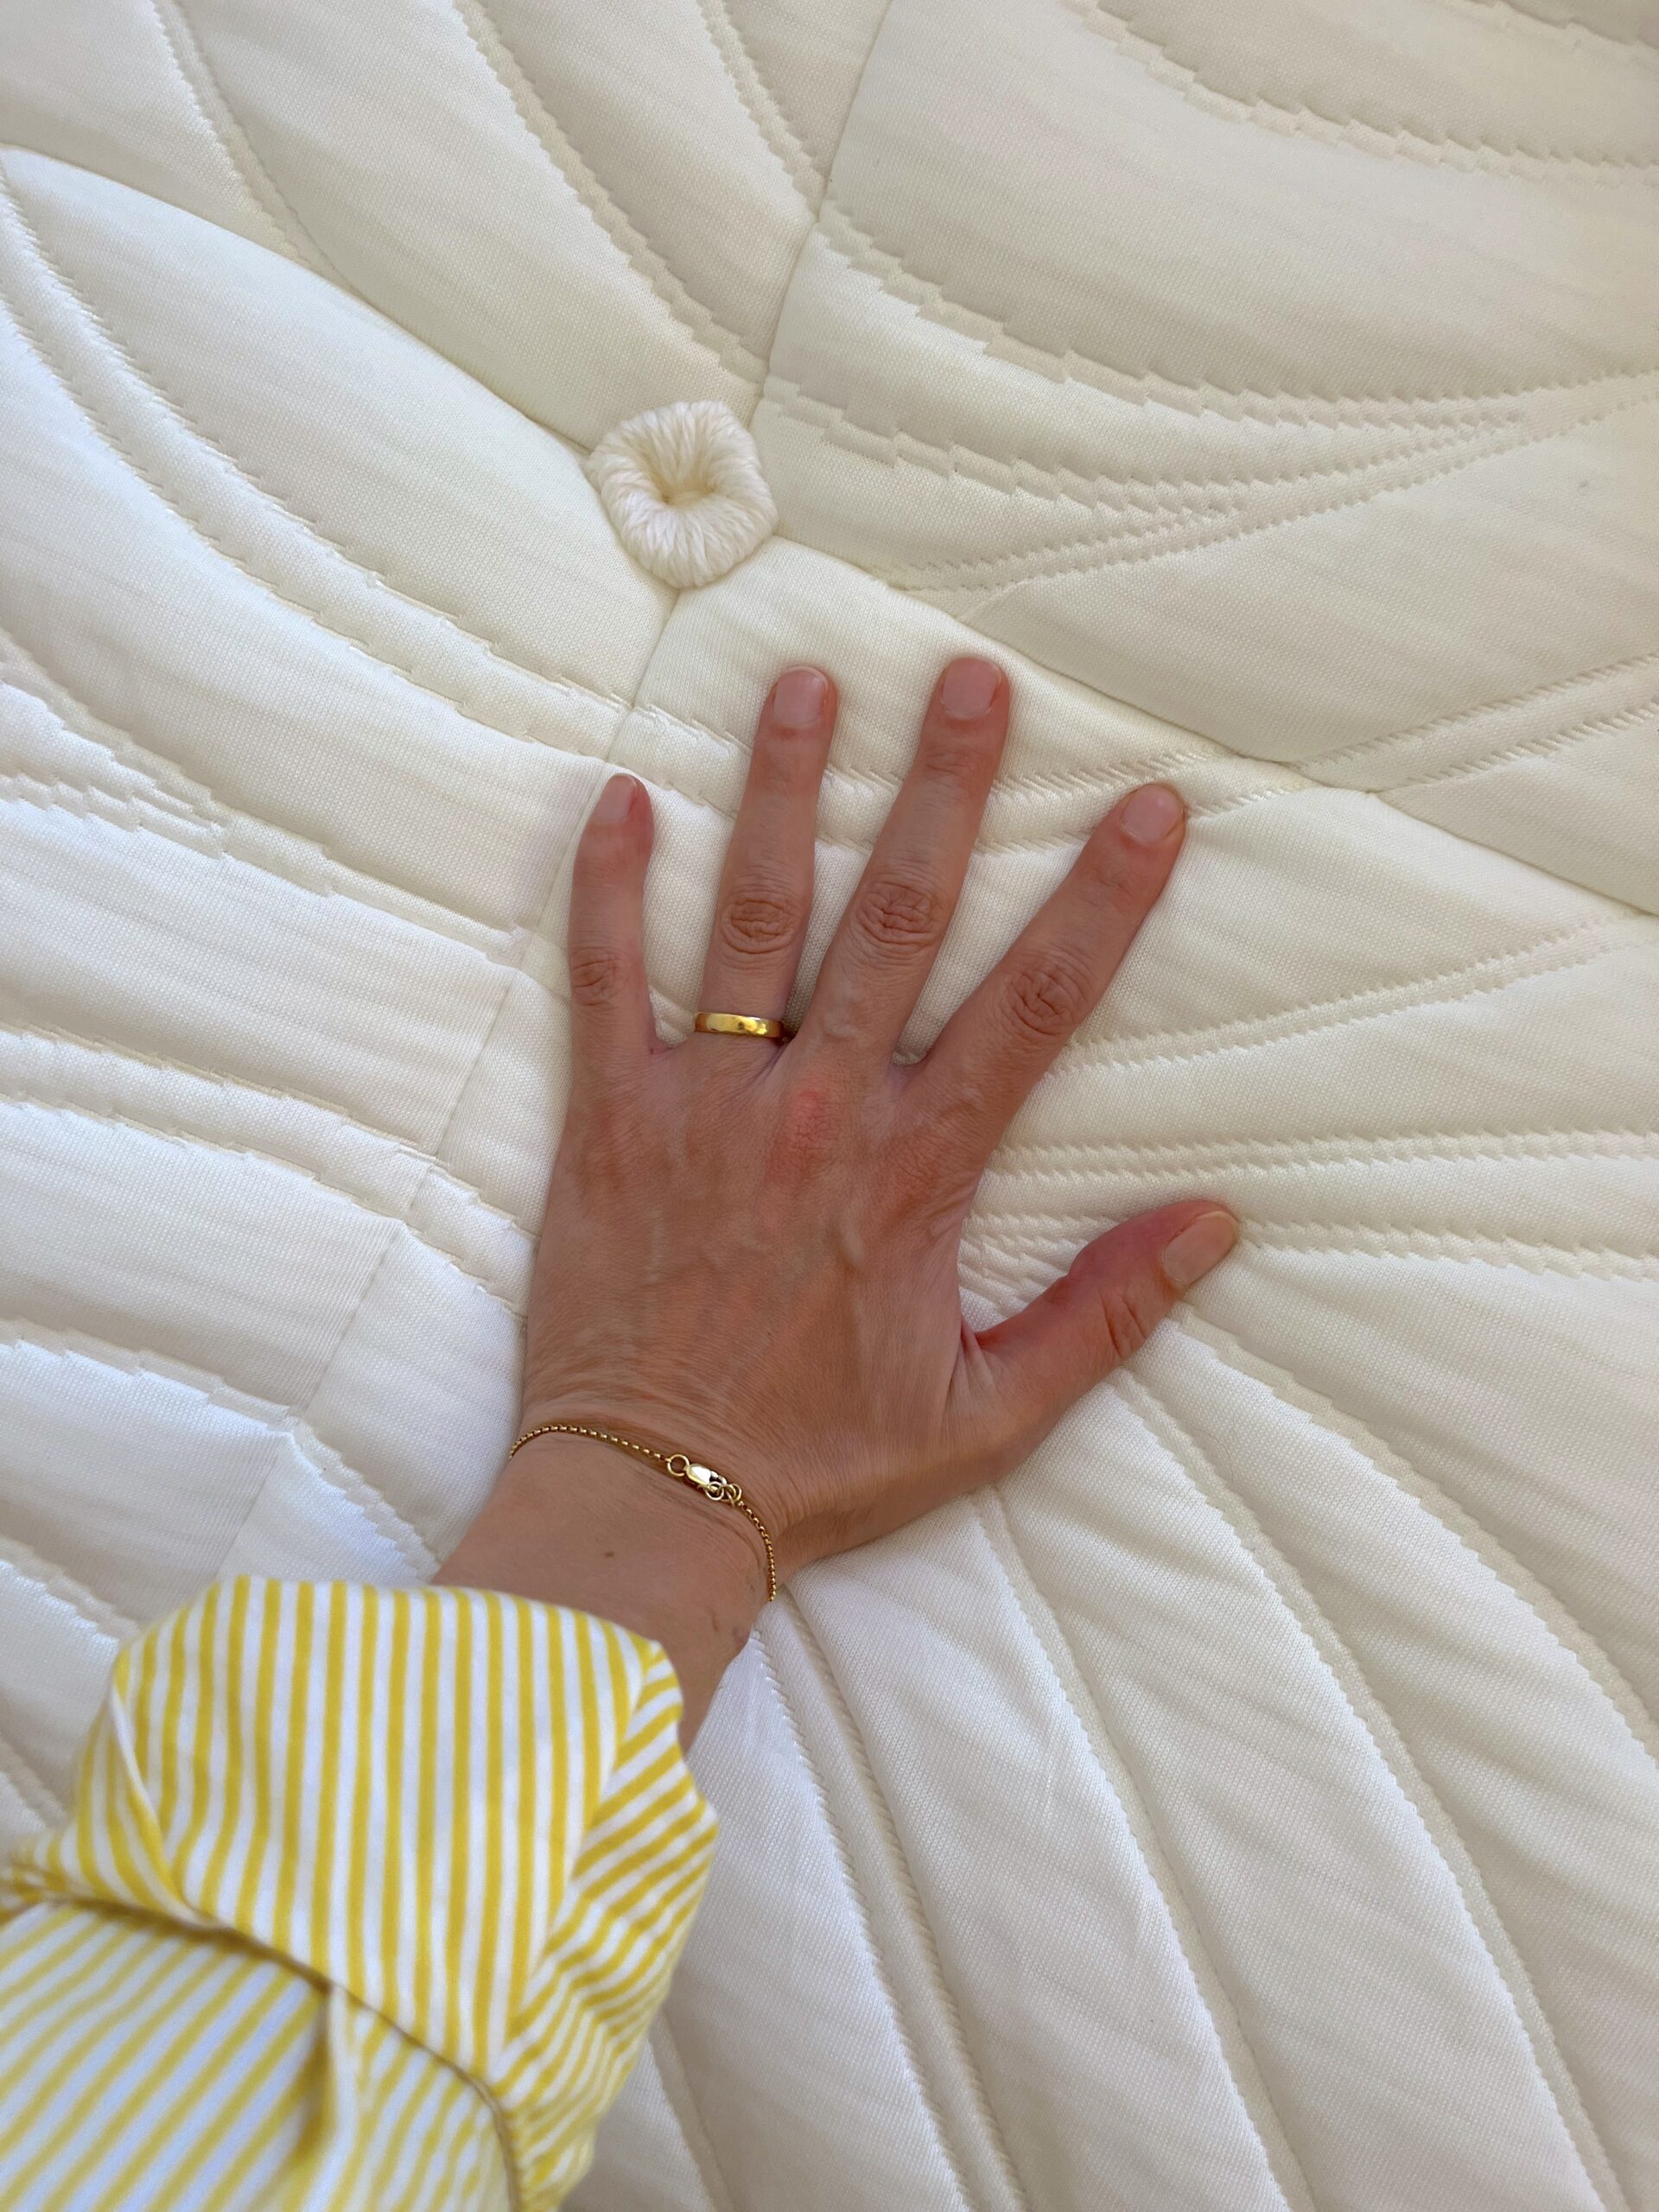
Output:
x=1103 y=1309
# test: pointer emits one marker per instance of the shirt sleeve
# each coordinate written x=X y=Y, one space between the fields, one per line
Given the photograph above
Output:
x=367 y=1897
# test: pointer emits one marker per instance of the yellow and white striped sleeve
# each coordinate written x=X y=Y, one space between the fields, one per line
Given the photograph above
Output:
x=367 y=1898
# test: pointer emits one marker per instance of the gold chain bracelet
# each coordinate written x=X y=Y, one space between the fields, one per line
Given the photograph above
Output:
x=720 y=1488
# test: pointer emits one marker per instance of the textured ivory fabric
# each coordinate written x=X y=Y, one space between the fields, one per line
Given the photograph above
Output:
x=1254 y=1803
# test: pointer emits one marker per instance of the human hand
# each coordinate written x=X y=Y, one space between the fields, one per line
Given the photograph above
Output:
x=750 y=1249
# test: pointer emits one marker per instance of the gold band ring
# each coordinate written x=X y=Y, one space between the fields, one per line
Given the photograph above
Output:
x=740 y=1025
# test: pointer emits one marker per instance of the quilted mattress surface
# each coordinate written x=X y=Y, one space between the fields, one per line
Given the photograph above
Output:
x=1253 y=1803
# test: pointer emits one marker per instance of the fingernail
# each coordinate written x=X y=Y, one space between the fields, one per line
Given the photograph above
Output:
x=615 y=800
x=1150 y=814
x=968 y=689
x=1197 y=1250
x=798 y=698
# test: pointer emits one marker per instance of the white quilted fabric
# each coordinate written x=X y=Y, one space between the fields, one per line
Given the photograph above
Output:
x=1254 y=1804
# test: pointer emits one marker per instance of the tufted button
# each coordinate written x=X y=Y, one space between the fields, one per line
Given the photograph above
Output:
x=683 y=490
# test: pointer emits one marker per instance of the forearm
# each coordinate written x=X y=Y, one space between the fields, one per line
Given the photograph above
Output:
x=580 y=1524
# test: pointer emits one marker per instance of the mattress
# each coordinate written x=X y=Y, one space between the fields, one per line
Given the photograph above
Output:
x=1253 y=1802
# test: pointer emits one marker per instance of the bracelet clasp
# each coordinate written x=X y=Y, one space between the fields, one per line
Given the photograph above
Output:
x=711 y=1483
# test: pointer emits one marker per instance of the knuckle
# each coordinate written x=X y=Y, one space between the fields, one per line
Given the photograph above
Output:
x=757 y=919
x=954 y=1133
x=808 y=1133
x=1048 y=996
x=963 y=758
x=1125 y=1325
x=898 y=914
x=606 y=847
x=785 y=759
x=603 y=1141
x=1099 y=866
x=599 y=977
x=910 y=1173
x=923 y=1183
x=1115 y=890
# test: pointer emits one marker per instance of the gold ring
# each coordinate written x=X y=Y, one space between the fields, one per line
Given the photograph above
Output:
x=740 y=1025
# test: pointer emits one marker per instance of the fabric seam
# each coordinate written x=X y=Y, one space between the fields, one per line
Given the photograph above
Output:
x=1280 y=117
x=1413 y=1786
x=842 y=1852
x=1184 y=1929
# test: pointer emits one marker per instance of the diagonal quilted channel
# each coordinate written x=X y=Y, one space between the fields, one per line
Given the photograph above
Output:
x=1254 y=1802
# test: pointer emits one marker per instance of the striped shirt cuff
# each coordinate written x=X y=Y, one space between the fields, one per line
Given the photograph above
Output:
x=468 y=1813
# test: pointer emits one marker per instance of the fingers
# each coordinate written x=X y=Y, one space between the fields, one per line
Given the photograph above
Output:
x=611 y=1027
x=765 y=887
x=1002 y=1038
x=1107 y=1305
x=891 y=932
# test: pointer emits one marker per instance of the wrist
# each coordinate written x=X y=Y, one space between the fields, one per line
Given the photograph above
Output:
x=576 y=1521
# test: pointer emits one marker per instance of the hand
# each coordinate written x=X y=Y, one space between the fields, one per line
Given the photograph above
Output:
x=750 y=1251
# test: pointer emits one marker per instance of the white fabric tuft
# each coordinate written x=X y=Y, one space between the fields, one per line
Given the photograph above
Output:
x=683 y=485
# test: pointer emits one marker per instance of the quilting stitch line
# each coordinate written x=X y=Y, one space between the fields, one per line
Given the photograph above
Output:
x=1071 y=840
x=1164 y=526
x=330 y=1469
x=311 y=615
x=167 y=783
x=1554 y=688
x=193 y=1140
x=1017 y=475
x=545 y=132
x=1529 y=15
x=257 y=184
x=1492 y=972
x=27 y=1566
x=992 y=1230
x=677 y=2092
x=472 y=371
x=1076 y=1057
x=152 y=807
x=1285 y=785
x=1317 y=1628
x=31 y=1786
x=1563 y=1627
x=814 y=229
x=1516 y=859
x=1532 y=749
x=759 y=103
x=1016 y=1154
x=557 y=685
x=1233 y=2048
x=1534 y=1256
x=1400 y=141
x=133 y=817
x=1009 y=790
x=945 y=2002
x=1282 y=1155
x=203 y=537
x=924 y=2095
x=1137 y=554
x=1150 y=386
x=212 y=1079
x=371 y=1280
